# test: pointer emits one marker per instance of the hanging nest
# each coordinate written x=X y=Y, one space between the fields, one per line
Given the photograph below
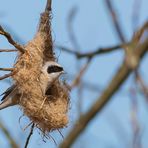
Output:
x=47 y=112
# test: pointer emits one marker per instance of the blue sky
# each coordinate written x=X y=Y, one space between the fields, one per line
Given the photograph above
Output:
x=93 y=28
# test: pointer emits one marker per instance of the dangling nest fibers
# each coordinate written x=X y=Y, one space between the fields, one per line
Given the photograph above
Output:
x=47 y=112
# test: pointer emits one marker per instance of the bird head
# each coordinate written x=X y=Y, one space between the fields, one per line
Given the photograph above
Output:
x=52 y=70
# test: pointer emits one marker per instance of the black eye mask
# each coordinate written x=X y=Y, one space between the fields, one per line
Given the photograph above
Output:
x=54 y=69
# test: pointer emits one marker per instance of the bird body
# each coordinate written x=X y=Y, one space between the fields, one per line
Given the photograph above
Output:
x=50 y=72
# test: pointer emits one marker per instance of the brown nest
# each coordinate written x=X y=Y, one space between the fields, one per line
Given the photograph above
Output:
x=47 y=112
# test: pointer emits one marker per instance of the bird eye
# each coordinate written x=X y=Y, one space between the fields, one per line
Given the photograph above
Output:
x=53 y=69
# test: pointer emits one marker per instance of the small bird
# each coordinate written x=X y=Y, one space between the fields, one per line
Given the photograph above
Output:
x=50 y=72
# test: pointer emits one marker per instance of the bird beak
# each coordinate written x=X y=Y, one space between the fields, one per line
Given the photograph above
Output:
x=63 y=72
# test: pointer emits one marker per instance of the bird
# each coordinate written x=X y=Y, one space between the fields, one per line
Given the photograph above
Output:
x=50 y=72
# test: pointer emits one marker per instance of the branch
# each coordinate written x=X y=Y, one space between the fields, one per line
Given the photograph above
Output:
x=71 y=31
x=7 y=69
x=135 y=124
x=96 y=52
x=137 y=36
x=136 y=13
x=100 y=51
x=12 y=142
x=106 y=96
x=11 y=41
x=48 y=6
x=142 y=84
x=8 y=50
x=115 y=21
x=130 y=57
x=6 y=75
x=29 y=136
x=77 y=79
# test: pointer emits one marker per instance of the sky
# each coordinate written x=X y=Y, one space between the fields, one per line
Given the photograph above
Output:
x=93 y=28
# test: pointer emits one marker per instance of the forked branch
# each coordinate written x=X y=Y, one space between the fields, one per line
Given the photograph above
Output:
x=94 y=53
x=120 y=77
x=10 y=40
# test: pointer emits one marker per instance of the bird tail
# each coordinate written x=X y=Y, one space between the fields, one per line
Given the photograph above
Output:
x=9 y=98
x=6 y=103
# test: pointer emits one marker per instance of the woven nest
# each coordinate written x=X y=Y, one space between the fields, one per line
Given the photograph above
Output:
x=47 y=112
x=37 y=89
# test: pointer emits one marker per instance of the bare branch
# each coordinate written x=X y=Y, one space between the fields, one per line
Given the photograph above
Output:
x=8 y=50
x=11 y=41
x=48 y=6
x=136 y=13
x=71 y=31
x=76 y=81
x=137 y=36
x=117 y=25
x=96 y=52
x=12 y=142
x=120 y=77
x=130 y=57
x=142 y=84
x=100 y=51
x=136 y=127
x=7 y=69
x=6 y=76
x=29 y=136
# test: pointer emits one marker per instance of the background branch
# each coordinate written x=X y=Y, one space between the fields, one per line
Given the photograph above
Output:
x=121 y=75
x=98 y=51
x=12 y=142
x=115 y=20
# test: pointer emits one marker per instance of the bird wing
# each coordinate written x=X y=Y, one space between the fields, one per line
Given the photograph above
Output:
x=10 y=97
x=9 y=91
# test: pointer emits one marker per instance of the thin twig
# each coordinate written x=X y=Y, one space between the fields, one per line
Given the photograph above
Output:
x=136 y=14
x=29 y=136
x=10 y=40
x=6 y=76
x=142 y=84
x=136 y=142
x=117 y=25
x=120 y=77
x=76 y=81
x=77 y=47
x=7 y=69
x=137 y=36
x=12 y=142
x=8 y=50
x=60 y=133
x=71 y=31
x=100 y=51
x=96 y=52
x=50 y=137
